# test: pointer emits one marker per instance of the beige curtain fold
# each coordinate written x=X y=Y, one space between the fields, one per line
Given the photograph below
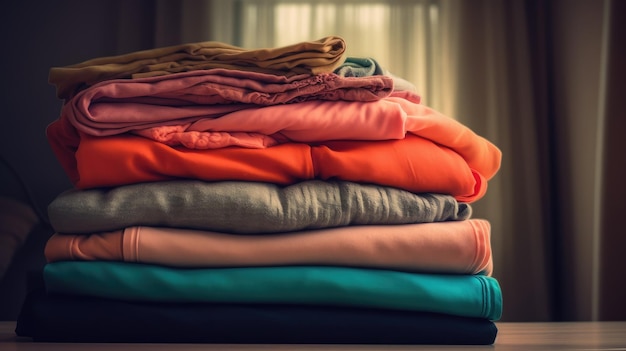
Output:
x=528 y=76
x=491 y=91
x=611 y=281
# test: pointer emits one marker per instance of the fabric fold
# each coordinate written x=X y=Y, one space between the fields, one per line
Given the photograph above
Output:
x=445 y=247
x=247 y=207
x=367 y=66
x=308 y=57
x=414 y=164
x=71 y=318
x=319 y=121
x=120 y=105
x=462 y=295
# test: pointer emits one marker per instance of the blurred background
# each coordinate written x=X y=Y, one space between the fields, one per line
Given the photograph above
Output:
x=541 y=79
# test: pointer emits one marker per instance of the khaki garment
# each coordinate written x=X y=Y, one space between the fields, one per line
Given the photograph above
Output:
x=313 y=57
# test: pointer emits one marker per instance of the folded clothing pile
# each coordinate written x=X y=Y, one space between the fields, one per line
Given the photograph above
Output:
x=282 y=195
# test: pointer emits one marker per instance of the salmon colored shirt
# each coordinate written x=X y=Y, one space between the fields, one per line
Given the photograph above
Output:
x=457 y=247
x=415 y=164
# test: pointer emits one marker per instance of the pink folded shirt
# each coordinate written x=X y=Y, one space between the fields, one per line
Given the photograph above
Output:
x=316 y=121
x=458 y=247
x=117 y=106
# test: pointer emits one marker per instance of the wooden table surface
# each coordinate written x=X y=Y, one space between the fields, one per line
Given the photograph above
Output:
x=609 y=336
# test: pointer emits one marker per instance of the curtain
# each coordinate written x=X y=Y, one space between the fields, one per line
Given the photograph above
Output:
x=538 y=78
x=492 y=92
x=611 y=286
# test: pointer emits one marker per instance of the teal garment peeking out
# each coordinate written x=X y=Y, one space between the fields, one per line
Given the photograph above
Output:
x=463 y=295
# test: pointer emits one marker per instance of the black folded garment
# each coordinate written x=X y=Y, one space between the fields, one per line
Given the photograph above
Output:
x=66 y=318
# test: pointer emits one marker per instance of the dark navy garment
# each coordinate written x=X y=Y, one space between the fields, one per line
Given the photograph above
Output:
x=67 y=318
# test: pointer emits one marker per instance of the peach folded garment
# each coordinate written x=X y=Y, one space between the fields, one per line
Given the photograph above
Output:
x=310 y=57
x=458 y=247
x=316 y=121
x=414 y=164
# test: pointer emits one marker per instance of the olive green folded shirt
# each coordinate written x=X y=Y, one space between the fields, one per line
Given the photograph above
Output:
x=312 y=57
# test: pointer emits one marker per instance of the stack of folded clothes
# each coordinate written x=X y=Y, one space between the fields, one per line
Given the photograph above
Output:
x=283 y=195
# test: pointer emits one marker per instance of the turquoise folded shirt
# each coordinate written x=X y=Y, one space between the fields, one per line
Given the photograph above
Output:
x=463 y=295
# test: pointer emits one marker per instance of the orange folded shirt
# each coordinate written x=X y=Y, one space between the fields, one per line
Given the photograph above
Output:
x=413 y=163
